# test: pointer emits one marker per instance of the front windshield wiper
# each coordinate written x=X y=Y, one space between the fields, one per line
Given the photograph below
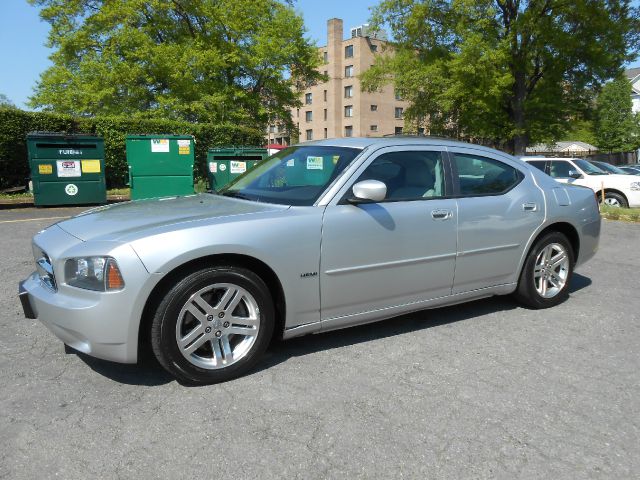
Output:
x=242 y=196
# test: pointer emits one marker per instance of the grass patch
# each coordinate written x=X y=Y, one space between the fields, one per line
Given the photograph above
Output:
x=617 y=213
x=16 y=196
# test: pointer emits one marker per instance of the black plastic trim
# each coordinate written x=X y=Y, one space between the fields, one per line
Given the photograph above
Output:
x=29 y=312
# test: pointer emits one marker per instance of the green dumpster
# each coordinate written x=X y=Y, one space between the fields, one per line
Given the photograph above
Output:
x=225 y=164
x=66 y=169
x=160 y=165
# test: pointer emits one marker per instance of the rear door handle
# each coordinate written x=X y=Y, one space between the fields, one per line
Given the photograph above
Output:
x=530 y=207
x=441 y=214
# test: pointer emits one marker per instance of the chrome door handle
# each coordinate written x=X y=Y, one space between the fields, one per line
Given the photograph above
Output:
x=441 y=214
x=530 y=207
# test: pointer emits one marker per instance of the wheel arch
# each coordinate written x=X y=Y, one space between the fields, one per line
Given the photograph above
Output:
x=613 y=190
x=567 y=229
x=237 y=260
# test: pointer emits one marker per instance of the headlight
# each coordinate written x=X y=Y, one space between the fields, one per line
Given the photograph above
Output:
x=93 y=273
x=635 y=186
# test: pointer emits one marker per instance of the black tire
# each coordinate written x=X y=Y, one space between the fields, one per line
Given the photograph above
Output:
x=617 y=198
x=526 y=292
x=164 y=334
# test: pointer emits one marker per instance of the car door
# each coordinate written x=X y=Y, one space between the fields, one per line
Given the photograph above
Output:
x=499 y=208
x=396 y=252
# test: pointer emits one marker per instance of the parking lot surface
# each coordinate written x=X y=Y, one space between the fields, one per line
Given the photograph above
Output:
x=482 y=390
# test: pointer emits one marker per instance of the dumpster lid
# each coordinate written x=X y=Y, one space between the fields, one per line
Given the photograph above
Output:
x=149 y=136
x=236 y=149
x=63 y=136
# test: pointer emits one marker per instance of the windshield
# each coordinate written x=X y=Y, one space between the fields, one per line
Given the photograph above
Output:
x=610 y=168
x=589 y=168
x=293 y=176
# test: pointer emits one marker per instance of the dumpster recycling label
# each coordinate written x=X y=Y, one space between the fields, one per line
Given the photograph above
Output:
x=314 y=163
x=45 y=169
x=213 y=167
x=71 y=189
x=90 y=166
x=184 y=147
x=159 y=145
x=238 y=167
x=68 y=168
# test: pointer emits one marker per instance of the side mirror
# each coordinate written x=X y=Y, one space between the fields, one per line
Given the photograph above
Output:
x=368 y=191
x=575 y=174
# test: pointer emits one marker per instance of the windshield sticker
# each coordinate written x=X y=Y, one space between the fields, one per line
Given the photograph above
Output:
x=68 y=168
x=314 y=163
x=91 y=166
x=213 y=167
x=159 y=145
x=45 y=169
x=335 y=159
x=291 y=162
x=238 y=167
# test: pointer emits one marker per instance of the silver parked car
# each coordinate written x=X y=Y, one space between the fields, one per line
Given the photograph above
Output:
x=321 y=236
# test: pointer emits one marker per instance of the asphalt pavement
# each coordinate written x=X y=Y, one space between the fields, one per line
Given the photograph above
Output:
x=483 y=390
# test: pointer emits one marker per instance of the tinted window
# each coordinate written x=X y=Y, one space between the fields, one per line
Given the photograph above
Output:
x=408 y=175
x=539 y=164
x=559 y=169
x=484 y=176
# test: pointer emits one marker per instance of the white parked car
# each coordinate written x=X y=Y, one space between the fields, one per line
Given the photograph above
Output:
x=619 y=190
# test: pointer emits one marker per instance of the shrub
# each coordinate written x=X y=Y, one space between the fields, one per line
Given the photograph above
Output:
x=16 y=124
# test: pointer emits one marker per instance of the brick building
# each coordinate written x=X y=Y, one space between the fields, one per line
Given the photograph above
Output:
x=338 y=107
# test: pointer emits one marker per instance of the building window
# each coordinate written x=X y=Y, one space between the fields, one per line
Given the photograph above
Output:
x=421 y=131
x=348 y=71
x=325 y=133
x=325 y=95
x=272 y=129
x=398 y=131
x=308 y=98
x=309 y=134
x=325 y=113
x=325 y=57
x=326 y=73
x=348 y=92
x=348 y=111
x=298 y=113
x=374 y=108
x=399 y=112
x=374 y=128
x=348 y=131
x=348 y=51
x=398 y=96
x=308 y=115
x=374 y=48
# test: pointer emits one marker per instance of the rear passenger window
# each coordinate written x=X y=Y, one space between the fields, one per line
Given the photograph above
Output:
x=484 y=176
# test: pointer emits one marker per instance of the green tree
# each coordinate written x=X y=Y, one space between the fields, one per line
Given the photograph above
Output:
x=508 y=72
x=5 y=102
x=616 y=125
x=195 y=60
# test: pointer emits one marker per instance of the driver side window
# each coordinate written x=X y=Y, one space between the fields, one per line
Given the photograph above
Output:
x=408 y=175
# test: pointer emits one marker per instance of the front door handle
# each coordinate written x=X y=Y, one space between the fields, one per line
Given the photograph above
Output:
x=441 y=214
x=530 y=207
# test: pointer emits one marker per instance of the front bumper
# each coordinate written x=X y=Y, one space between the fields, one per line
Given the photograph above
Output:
x=101 y=324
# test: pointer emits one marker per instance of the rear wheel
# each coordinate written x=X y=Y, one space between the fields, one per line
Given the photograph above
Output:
x=545 y=277
x=213 y=325
x=614 y=199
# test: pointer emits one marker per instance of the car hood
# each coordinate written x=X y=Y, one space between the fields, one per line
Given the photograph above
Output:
x=117 y=221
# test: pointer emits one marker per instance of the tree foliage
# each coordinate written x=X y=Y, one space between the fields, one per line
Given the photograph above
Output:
x=5 y=102
x=616 y=125
x=509 y=72
x=194 y=60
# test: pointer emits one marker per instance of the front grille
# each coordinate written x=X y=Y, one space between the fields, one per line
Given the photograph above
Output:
x=45 y=271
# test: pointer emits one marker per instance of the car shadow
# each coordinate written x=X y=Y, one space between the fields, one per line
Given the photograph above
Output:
x=148 y=371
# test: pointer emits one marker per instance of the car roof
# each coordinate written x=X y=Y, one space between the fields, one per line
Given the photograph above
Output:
x=525 y=158
x=394 y=141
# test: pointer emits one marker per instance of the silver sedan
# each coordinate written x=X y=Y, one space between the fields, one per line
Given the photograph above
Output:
x=321 y=236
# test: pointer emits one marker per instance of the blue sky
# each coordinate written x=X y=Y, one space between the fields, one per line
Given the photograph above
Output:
x=23 y=56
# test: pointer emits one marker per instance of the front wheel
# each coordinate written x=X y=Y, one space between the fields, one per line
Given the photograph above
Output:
x=213 y=325
x=545 y=277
